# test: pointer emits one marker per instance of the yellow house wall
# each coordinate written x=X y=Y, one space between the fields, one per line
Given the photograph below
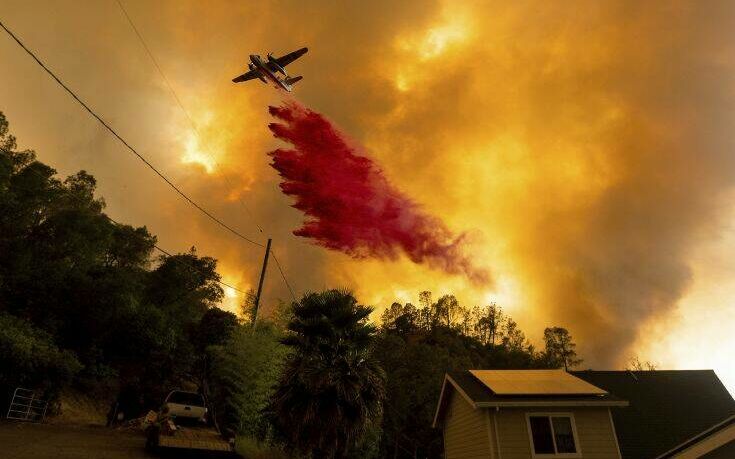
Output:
x=594 y=432
x=466 y=430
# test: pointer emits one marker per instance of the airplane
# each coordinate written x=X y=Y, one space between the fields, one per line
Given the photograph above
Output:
x=266 y=70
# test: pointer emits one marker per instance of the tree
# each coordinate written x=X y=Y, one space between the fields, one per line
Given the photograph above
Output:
x=246 y=312
x=390 y=315
x=215 y=328
x=415 y=371
x=401 y=319
x=426 y=320
x=635 y=364
x=83 y=302
x=425 y=299
x=185 y=284
x=560 y=348
x=466 y=324
x=489 y=323
x=447 y=310
x=513 y=338
x=416 y=363
x=244 y=371
x=30 y=358
x=332 y=387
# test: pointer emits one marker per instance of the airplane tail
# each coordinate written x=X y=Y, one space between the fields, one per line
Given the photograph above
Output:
x=291 y=80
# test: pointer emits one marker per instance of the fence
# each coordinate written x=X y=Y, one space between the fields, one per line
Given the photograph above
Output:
x=25 y=406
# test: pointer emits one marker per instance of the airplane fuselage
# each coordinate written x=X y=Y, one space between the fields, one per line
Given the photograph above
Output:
x=267 y=70
x=266 y=75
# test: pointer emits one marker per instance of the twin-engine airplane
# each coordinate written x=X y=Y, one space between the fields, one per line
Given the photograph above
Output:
x=267 y=70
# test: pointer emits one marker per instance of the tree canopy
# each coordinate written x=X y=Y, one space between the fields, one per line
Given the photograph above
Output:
x=331 y=389
x=82 y=298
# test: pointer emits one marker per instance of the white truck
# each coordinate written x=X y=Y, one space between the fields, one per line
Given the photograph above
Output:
x=185 y=405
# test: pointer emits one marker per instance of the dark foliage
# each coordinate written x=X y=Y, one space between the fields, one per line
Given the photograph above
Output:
x=79 y=297
x=332 y=387
x=417 y=346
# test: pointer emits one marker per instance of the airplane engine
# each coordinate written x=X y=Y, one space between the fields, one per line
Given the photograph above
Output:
x=292 y=80
x=274 y=62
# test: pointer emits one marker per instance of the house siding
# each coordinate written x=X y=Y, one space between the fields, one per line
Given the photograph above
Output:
x=726 y=451
x=466 y=434
x=594 y=431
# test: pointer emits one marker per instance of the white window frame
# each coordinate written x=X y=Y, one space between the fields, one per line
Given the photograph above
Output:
x=553 y=435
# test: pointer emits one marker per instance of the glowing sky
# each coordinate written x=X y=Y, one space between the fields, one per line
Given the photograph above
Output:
x=586 y=145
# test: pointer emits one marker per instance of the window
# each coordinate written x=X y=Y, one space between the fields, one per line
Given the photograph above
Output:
x=553 y=435
x=185 y=398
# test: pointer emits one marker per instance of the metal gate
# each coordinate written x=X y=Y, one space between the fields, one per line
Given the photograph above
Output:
x=25 y=406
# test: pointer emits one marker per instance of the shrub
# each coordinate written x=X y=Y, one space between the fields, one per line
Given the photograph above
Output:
x=30 y=358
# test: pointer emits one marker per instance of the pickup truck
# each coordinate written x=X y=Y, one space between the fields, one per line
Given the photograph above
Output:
x=182 y=426
x=190 y=405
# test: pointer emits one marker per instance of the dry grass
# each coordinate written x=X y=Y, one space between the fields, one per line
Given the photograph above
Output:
x=252 y=449
x=81 y=409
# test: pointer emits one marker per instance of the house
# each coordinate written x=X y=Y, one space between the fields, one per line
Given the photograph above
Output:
x=672 y=414
x=513 y=414
x=586 y=414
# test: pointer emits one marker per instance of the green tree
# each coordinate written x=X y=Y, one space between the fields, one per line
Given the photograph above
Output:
x=87 y=285
x=215 y=328
x=30 y=358
x=244 y=373
x=560 y=348
x=332 y=387
x=246 y=310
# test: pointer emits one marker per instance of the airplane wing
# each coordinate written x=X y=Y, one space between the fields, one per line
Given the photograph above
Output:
x=245 y=76
x=290 y=57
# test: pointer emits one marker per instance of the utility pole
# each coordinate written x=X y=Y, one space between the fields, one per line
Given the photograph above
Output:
x=262 y=278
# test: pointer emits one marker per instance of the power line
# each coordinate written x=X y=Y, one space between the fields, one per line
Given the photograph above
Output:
x=180 y=260
x=124 y=142
x=280 y=270
x=193 y=125
x=165 y=252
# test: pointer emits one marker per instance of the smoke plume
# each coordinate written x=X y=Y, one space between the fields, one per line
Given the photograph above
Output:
x=349 y=203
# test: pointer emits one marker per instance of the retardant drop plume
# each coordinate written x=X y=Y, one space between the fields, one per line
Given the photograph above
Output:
x=350 y=204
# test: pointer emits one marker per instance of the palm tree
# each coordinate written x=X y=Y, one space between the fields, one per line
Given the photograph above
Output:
x=332 y=388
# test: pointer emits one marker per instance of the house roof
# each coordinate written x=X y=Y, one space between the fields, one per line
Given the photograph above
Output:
x=726 y=427
x=535 y=382
x=666 y=407
x=480 y=395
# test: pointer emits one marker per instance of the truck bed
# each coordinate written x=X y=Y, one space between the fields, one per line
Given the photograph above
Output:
x=201 y=438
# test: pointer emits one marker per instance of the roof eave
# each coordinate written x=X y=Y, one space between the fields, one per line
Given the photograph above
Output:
x=543 y=403
x=448 y=379
x=690 y=442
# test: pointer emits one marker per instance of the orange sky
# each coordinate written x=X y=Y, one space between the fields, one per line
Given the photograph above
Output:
x=587 y=147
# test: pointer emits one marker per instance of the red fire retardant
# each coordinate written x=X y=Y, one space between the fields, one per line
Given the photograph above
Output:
x=349 y=204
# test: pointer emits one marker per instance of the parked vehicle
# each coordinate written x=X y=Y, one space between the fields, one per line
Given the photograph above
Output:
x=189 y=405
x=183 y=426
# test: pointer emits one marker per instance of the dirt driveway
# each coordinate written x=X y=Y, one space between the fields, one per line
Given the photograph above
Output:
x=30 y=441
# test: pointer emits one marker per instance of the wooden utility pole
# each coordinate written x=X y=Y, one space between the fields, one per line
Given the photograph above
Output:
x=262 y=278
